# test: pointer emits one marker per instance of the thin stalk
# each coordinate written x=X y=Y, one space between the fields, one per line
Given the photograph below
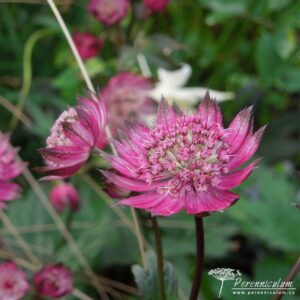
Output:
x=117 y=210
x=19 y=239
x=72 y=45
x=139 y=236
x=15 y=111
x=27 y=73
x=160 y=259
x=199 y=258
x=293 y=273
x=66 y=234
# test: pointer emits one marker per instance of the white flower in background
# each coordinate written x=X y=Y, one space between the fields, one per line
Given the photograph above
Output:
x=171 y=86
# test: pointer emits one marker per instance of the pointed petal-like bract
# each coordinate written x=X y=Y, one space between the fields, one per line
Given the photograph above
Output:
x=209 y=111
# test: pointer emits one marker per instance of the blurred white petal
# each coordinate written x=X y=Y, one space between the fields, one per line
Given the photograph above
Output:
x=171 y=87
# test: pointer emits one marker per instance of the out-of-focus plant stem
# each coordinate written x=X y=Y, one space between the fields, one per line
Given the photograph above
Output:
x=19 y=239
x=15 y=111
x=159 y=259
x=27 y=73
x=293 y=273
x=139 y=236
x=66 y=234
x=199 y=258
x=126 y=221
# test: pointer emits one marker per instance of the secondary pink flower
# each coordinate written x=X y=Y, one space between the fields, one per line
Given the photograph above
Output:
x=64 y=195
x=156 y=5
x=13 y=282
x=186 y=162
x=74 y=135
x=53 y=281
x=87 y=44
x=9 y=169
x=109 y=12
x=125 y=97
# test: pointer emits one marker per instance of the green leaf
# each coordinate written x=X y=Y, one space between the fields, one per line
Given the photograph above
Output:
x=264 y=210
x=230 y=7
x=95 y=66
x=269 y=65
x=285 y=41
x=146 y=280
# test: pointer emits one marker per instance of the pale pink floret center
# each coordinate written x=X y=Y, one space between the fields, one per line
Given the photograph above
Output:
x=57 y=136
x=189 y=151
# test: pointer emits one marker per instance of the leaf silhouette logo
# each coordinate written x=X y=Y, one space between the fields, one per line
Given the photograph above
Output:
x=223 y=274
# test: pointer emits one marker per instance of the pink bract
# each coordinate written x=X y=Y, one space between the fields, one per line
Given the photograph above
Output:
x=87 y=44
x=53 y=281
x=65 y=195
x=74 y=135
x=186 y=162
x=108 y=12
x=125 y=97
x=9 y=169
x=156 y=5
x=13 y=282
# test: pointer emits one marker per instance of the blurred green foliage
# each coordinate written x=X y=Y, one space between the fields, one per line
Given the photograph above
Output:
x=247 y=46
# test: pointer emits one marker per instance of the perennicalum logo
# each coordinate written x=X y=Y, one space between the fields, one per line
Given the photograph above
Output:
x=246 y=287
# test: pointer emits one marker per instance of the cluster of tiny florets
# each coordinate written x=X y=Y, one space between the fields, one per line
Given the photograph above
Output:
x=57 y=136
x=193 y=153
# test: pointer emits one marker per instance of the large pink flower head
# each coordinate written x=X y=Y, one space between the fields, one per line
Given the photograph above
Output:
x=156 y=5
x=13 y=282
x=109 y=12
x=64 y=195
x=87 y=44
x=186 y=161
x=9 y=169
x=53 y=281
x=125 y=96
x=74 y=135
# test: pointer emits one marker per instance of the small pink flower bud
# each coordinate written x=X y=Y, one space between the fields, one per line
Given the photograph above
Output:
x=109 y=12
x=64 y=195
x=156 y=5
x=53 y=281
x=87 y=44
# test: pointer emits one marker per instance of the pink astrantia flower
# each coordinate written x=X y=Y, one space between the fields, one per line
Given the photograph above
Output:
x=109 y=12
x=13 y=282
x=156 y=5
x=64 y=195
x=87 y=44
x=125 y=96
x=53 y=281
x=186 y=162
x=74 y=135
x=9 y=169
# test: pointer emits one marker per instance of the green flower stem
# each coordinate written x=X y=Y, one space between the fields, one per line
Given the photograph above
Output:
x=160 y=259
x=27 y=72
x=199 y=258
